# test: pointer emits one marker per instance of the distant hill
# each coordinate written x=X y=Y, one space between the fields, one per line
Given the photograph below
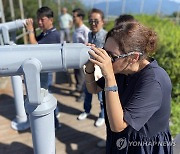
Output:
x=133 y=6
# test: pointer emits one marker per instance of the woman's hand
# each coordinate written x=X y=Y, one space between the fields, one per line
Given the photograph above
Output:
x=101 y=58
x=89 y=64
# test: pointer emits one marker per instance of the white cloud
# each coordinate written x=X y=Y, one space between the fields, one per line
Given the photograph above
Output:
x=177 y=1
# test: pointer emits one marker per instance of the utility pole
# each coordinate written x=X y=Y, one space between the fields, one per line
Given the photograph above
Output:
x=59 y=7
x=142 y=6
x=2 y=12
x=12 y=9
x=22 y=17
x=107 y=9
x=92 y=4
x=40 y=3
x=13 y=33
x=123 y=6
x=159 y=8
x=178 y=15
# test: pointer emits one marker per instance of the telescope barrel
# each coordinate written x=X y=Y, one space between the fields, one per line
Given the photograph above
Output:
x=53 y=57
x=13 y=25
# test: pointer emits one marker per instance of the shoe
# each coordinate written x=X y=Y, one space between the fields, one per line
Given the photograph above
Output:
x=58 y=115
x=99 y=122
x=82 y=116
x=101 y=144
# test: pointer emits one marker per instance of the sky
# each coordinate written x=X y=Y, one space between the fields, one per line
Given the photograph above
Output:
x=177 y=1
x=99 y=1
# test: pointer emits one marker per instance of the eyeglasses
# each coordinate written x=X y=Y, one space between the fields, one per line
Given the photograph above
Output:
x=95 y=21
x=114 y=58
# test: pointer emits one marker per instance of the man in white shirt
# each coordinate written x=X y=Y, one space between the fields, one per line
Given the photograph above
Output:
x=80 y=35
x=65 y=23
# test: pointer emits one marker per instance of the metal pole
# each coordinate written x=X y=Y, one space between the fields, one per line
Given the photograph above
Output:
x=42 y=123
x=159 y=8
x=178 y=15
x=12 y=9
x=59 y=7
x=22 y=17
x=2 y=12
x=20 y=122
x=92 y=4
x=142 y=6
x=40 y=105
x=123 y=6
x=13 y=33
x=40 y=3
x=107 y=9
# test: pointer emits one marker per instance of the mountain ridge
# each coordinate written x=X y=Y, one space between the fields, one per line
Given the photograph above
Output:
x=133 y=7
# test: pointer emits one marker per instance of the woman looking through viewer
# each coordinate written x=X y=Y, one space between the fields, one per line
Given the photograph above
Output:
x=136 y=91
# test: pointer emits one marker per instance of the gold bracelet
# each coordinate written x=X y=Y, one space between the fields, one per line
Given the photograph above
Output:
x=90 y=82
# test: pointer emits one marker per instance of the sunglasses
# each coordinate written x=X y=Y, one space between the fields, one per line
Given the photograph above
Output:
x=95 y=21
x=115 y=58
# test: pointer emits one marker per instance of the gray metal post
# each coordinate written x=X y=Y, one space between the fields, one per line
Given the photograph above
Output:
x=42 y=123
x=40 y=106
x=21 y=121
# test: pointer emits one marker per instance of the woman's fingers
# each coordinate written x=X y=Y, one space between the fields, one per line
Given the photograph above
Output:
x=99 y=52
x=95 y=62
x=96 y=56
x=102 y=53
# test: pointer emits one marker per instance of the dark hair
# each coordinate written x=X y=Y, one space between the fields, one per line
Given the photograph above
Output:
x=94 y=10
x=133 y=36
x=80 y=12
x=45 y=12
x=124 y=18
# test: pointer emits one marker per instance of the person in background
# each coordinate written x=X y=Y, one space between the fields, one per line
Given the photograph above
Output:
x=124 y=18
x=80 y=35
x=65 y=23
x=136 y=91
x=49 y=35
x=96 y=37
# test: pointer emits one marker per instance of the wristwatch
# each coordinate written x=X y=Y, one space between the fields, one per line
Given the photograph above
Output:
x=112 y=88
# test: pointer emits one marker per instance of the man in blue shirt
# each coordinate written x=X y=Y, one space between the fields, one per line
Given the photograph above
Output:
x=96 y=37
x=49 y=35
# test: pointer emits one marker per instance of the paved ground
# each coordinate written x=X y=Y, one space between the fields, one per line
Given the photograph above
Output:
x=75 y=137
